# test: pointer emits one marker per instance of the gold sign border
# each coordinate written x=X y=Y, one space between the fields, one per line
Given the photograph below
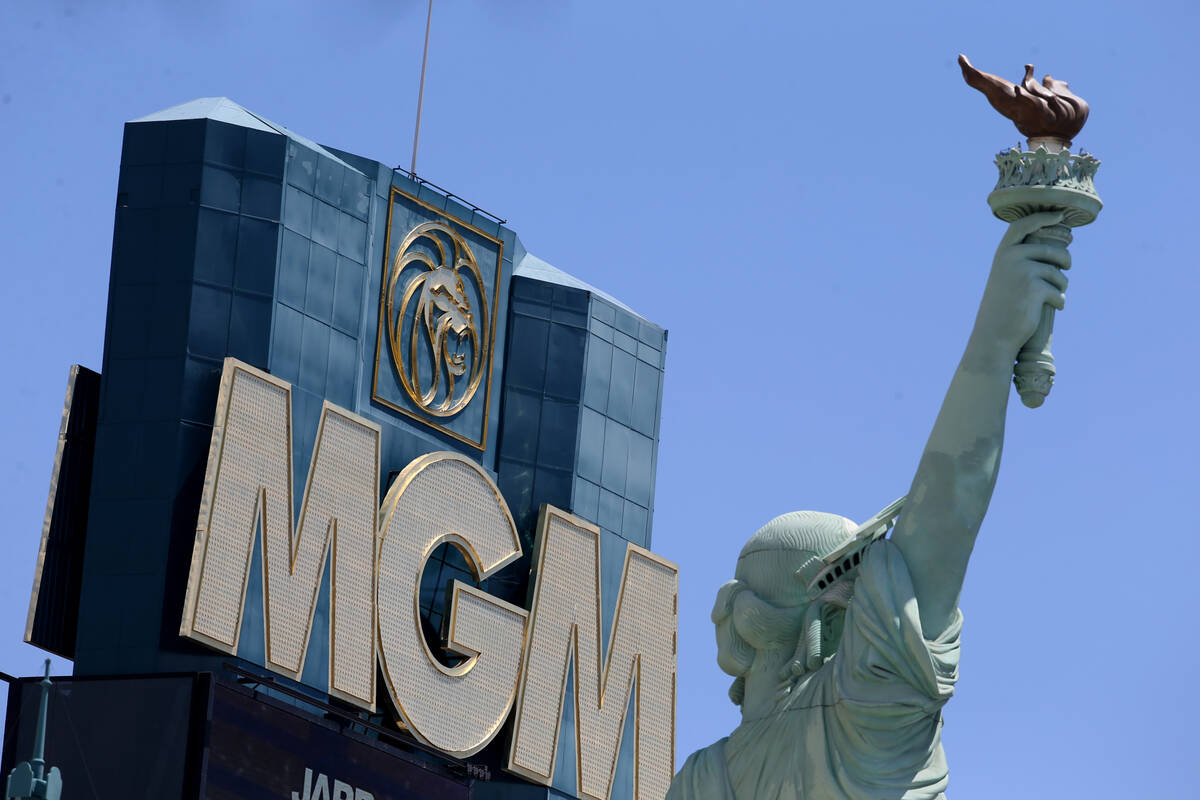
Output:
x=68 y=404
x=491 y=350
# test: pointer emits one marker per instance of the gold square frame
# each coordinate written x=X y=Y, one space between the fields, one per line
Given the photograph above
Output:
x=491 y=349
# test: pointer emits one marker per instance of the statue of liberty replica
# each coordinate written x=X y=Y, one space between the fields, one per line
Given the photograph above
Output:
x=843 y=642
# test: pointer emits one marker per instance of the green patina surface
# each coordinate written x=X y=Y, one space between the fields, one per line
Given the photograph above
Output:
x=842 y=693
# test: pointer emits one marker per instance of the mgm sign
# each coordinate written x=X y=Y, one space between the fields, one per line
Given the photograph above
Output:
x=352 y=443
x=512 y=656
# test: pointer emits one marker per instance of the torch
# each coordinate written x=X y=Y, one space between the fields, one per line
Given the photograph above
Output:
x=1045 y=177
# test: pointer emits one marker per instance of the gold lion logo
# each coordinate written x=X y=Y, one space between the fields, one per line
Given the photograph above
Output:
x=439 y=347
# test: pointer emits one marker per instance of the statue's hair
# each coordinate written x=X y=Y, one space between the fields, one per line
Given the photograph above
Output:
x=764 y=607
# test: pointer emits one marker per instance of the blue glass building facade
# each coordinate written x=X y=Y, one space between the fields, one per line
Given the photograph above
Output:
x=235 y=237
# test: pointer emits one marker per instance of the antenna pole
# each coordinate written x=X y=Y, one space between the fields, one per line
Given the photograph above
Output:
x=421 y=91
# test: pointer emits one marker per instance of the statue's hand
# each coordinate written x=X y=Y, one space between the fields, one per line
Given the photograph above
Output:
x=1024 y=277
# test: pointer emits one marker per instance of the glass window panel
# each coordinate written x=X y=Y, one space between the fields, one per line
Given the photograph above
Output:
x=527 y=352
x=641 y=469
x=611 y=508
x=556 y=435
x=645 y=398
x=591 y=445
x=616 y=457
x=633 y=526
x=587 y=500
x=599 y=374
x=519 y=430
x=620 y=391
x=565 y=365
x=552 y=486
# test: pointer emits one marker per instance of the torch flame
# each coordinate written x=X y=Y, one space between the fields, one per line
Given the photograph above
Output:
x=1037 y=109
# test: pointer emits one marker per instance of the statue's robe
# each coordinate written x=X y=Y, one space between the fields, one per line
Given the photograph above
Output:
x=865 y=726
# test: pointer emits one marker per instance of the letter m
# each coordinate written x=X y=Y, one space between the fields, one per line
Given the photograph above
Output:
x=248 y=490
x=565 y=627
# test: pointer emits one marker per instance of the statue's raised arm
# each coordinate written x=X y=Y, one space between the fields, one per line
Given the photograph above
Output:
x=953 y=485
x=819 y=657
x=952 y=488
x=843 y=643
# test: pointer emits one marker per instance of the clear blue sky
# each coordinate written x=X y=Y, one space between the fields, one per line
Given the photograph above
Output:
x=796 y=191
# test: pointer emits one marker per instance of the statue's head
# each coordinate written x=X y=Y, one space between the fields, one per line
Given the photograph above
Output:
x=766 y=606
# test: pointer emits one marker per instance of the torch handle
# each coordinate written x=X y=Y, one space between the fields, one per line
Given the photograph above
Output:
x=1033 y=372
